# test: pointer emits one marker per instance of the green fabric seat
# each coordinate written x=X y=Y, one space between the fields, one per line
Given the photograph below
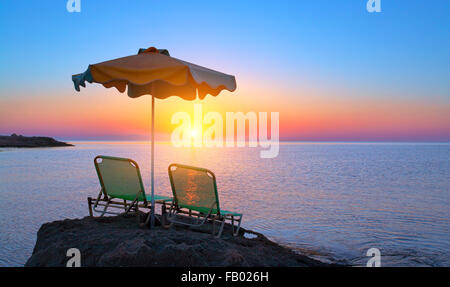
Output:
x=206 y=210
x=226 y=212
x=158 y=198
x=120 y=178
x=195 y=189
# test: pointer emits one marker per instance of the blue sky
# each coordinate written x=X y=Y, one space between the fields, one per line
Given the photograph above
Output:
x=402 y=52
x=408 y=43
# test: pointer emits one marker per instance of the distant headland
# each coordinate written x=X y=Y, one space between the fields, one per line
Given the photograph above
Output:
x=23 y=141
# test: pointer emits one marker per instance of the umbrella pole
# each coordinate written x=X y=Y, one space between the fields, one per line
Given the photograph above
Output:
x=152 y=211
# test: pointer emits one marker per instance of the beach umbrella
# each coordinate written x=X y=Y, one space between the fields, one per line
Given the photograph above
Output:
x=154 y=72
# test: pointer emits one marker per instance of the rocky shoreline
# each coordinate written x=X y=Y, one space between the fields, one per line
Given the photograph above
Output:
x=23 y=141
x=120 y=241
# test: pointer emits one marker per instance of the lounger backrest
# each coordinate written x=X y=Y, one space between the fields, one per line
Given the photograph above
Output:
x=119 y=177
x=194 y=188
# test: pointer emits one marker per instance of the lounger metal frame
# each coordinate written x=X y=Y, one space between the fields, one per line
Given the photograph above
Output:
x=106 y=201
x=201 y=217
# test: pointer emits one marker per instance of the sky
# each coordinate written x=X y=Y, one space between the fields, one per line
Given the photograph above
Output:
x=333 y=71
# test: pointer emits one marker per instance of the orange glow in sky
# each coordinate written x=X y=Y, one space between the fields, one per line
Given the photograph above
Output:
x=100 y=113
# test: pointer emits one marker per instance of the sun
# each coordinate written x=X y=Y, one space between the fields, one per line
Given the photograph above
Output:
x=194 y=133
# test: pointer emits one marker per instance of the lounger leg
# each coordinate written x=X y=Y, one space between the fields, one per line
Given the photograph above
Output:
x=138 y=215
x=104 y=209
x=221 y=228
x=90 y=207
x=131 y=205
x=174 y=214
x=171 y=209
x=232 y=224
x=239 y=226
x=98 y=198
x=163 y=215
x=147 y=220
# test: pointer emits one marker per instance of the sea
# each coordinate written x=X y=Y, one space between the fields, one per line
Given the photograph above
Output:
x=330 y=201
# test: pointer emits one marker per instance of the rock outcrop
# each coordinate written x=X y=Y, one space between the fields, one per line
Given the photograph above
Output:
x=119 y=241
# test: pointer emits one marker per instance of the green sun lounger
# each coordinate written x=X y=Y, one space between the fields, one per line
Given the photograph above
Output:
x=121 y=187
x=195 y=194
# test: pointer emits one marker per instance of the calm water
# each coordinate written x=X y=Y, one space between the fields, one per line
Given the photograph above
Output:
x=332 y=201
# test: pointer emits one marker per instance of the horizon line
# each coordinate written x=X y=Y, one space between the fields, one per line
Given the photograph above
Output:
x=281 y=141
x=133 y=138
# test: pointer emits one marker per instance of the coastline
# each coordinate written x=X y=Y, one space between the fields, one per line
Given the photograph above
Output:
x=19 y=141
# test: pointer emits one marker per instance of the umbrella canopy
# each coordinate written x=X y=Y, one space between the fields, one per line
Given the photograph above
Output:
x=154 y=72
